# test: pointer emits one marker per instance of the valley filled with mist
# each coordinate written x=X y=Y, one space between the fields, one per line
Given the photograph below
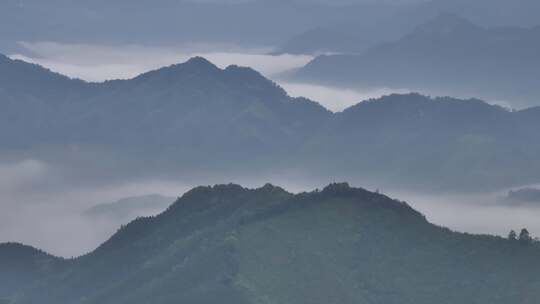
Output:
x=269 y=151
x=64 y=178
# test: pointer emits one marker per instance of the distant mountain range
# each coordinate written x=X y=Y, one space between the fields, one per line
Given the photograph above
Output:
x=228 y=244
x=192 y=110
x=307 y=26
x=384 y=24
x=129 y=208
x=196 y=119
x=524 y=196
x=446 y=56
x=248 y=23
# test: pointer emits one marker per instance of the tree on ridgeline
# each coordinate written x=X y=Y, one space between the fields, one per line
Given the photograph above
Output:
x=525 y=236
x=512 y=235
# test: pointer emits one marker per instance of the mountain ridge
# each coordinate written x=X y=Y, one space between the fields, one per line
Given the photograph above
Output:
x=448 y=55
x=243 y=245
x=212 y=120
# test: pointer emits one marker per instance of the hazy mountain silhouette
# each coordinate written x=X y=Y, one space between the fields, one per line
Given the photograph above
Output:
x=308 y=26
x=22 y=267
x=524 y=196
x=229 y=244
x=488 y=13
x=192 y=109
x=194 y=118
x=248 y=23
x=405 y=138
x=382 y=24
x=130 y=208
x=448 y=55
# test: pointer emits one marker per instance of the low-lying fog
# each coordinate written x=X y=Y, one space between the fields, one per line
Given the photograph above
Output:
x=99 y=63
x=43 y=207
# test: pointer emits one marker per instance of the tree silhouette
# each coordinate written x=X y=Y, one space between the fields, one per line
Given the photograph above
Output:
x=525 y=236
x=512 y=235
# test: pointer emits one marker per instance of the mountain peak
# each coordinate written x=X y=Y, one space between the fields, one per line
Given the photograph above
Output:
x=243 y=71
x=446 y=24
x=193 y=66
x=286 y=247
x=254 y=80
x=199 y=61
x=21 y=252
x=3 y=58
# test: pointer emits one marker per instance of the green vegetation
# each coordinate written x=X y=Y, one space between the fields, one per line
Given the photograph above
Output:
x=524 y=237
x=197 y=119
x=229 y=244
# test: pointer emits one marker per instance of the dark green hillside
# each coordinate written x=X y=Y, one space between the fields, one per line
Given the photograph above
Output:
x=22 y=266
x=229 y=244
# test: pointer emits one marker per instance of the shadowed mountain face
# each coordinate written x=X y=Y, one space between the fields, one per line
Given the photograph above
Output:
x=229 y=244
x=197 y=118
x=448 y=55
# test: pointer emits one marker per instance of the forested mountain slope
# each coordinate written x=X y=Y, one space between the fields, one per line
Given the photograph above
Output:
x=229 y=244
x=196 y=118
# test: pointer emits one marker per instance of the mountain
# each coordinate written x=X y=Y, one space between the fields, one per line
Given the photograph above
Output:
x=129 y=208
x=229 y=244
x=190 y=111
x=24 y=82
x=523 y=196
x=23 y=266
x=447 y=56
x=459 y=144
x=306 y=26
x=244 y=23
x=383 y=24
x=372 y=26
x=195 y=120
x=488 y=13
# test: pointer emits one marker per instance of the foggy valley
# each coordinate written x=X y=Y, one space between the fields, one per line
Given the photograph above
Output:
x=254 y=151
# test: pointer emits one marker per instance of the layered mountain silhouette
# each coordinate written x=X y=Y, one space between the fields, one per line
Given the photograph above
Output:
x=448 y=55
x=193 y=109
x=382 y=24
x=524 y=196
x=248 y=23
x=229 y=244
x=194 y=118
x=313 y=24
x=129 y=208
